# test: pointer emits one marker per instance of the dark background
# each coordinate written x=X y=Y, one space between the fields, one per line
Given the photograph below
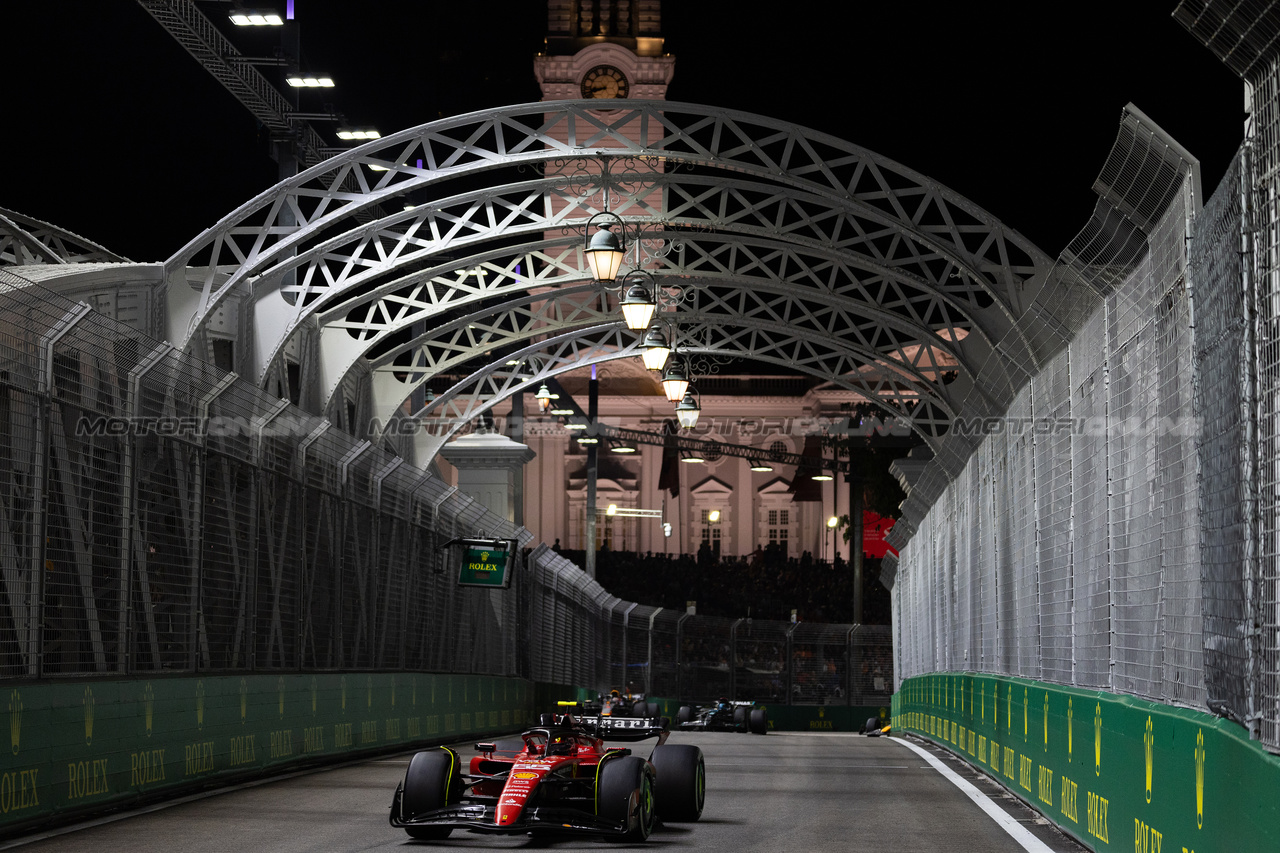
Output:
x=113 y=131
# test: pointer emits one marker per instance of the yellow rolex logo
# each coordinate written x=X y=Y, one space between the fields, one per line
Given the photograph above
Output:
x=149 y=705
x=1070 y=715
x=1025 y=703
x=1200 y=779
x=313 y=695
x=244 y=700
x=200 y=705
x=368 y=683
x=1046 y=721
x=1148 y=740
x=88 y=716
x=413 y=687
x=995 y=704
x=342 y=682
x=15 y=720
x=280 y=696
x=1097 y=740
x=393 y=691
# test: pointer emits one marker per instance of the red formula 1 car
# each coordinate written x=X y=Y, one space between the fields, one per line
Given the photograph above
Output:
x=556 y=778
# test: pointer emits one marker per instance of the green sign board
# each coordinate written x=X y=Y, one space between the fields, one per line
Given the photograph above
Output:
x=486 y=562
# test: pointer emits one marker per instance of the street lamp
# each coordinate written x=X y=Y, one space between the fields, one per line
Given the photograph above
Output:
x=656 y=348
x=604 y=249
x=543 y=397
x=639 y=302
x=833 y=522
x=687 y=410
x=675 y=380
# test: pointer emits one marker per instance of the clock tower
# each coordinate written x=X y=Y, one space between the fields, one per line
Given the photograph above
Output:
x=604 y=49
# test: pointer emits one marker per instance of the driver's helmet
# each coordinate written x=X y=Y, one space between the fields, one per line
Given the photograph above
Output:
x=723 y=703
x=560 y=746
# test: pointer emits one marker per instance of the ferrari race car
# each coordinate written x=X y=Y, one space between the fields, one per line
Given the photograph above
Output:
x=555 y=778
x=724 y=716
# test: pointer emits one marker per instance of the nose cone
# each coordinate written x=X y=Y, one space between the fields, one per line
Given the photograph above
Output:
x=520 y=784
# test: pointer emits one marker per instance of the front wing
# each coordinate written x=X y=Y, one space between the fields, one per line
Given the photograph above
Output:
x=481 y=817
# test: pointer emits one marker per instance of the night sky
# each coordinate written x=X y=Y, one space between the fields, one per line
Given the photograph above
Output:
x=116 y=133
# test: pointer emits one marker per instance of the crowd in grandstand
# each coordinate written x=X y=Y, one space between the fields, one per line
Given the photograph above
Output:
x=768 y=584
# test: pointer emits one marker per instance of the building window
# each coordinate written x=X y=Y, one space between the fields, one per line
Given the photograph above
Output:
x=777 y=529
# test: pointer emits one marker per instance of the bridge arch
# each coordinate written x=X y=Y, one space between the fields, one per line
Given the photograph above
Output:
x=780 y=235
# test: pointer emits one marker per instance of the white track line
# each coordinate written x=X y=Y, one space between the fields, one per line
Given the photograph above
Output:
x=1017 y=831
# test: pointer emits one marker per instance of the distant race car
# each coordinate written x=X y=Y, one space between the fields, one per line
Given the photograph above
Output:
x=617 y=704
x=558 y=777
x=724 y=716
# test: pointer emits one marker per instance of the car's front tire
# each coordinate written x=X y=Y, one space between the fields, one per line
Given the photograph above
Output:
x=682 y=781
x=759 y=721
x=430 y=782
x=620 y=778
x=684 y=715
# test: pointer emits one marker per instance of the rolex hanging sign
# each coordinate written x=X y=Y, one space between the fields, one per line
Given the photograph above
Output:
x=485 y=562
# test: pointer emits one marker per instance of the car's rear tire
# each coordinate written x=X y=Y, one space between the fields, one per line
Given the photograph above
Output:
x=872 y=725
x=620 y=778
x=682 y=781
x=430 y=782
x=759 y=723
x=684 y=715
x=654 y=710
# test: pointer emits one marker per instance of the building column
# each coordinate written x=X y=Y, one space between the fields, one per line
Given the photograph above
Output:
x=491 y=470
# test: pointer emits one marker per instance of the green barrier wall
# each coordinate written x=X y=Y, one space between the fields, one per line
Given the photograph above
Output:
x=82 y=747
x=1116 y=772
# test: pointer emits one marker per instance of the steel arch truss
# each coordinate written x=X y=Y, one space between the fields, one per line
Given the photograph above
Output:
x=24 y=240
x=495 y=382
x=787 y=244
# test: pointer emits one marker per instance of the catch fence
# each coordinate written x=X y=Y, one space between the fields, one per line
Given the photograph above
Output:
x=158 y=515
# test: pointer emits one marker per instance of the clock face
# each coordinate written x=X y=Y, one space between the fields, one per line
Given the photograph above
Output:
x=604 y=81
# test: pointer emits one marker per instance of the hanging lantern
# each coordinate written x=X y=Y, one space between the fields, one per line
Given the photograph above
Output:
x=604 y=253
x=543 y=397
x=687 y=410
x=638 y=306
x=675 y=380
x=656 y=348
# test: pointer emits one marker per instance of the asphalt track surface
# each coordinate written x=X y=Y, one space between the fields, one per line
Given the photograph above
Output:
x=781 y=792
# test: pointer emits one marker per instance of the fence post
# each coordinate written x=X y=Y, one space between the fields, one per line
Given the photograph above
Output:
x=39 y=531
x=680 y=694
x=791 y=663
x=199 y=635
x=733 y=659
x=129 y=512
x=648 y=672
